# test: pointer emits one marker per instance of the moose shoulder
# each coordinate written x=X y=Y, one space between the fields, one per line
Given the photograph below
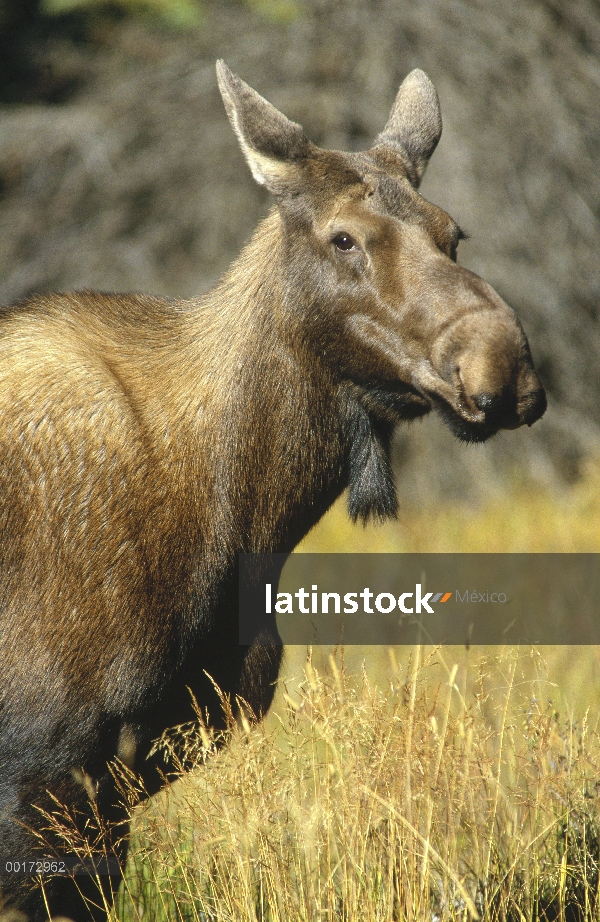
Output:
x=145 y=443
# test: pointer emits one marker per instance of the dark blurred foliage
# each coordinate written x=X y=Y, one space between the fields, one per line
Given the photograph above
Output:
x=118 y=168
x=27 y=36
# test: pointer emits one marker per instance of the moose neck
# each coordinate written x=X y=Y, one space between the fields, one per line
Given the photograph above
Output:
x=275 y=449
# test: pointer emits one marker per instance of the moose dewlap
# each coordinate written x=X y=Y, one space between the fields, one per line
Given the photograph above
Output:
x=145 y=443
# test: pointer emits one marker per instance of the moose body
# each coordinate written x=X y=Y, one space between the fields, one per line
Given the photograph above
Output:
x=145 y=443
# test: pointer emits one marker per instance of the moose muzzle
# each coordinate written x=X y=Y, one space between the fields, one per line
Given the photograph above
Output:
x=484 y=362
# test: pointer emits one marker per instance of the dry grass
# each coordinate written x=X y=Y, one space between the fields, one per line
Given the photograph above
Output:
x=451 y=788
x=423 y=784
x=524 y=517
x=453 y=793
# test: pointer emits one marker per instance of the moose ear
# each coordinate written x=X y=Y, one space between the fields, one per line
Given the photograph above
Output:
x=415 y=124
x=271 y=143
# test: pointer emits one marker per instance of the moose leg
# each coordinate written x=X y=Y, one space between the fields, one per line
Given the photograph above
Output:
x=260 y=670
x=79 y=899
x=81 y=896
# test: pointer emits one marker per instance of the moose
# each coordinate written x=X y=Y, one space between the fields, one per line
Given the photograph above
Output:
x=146 y=443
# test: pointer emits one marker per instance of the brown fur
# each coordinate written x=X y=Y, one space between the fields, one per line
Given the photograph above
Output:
x=146 y=443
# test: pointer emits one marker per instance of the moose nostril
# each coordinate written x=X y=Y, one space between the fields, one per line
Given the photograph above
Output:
x=490 y=404
x=500 y=409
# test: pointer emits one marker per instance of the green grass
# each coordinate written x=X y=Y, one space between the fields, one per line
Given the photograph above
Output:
x=175 y=14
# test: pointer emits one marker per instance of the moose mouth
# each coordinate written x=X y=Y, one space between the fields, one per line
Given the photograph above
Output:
x=479 y=418
x=464 y=428
x=463 y=424
x=472 y=420
x=402 y=403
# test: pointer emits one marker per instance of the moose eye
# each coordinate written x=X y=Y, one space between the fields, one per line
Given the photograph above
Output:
x=344 y=242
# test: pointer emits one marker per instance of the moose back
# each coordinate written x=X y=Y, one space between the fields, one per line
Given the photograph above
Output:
x=145 y=443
